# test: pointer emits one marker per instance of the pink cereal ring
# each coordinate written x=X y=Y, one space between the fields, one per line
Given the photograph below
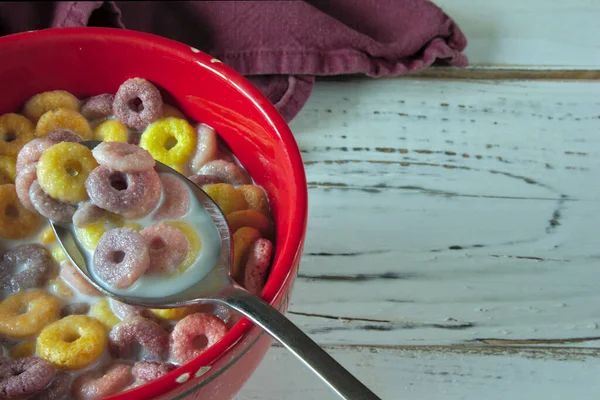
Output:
x=24 y=376
x=50 y=208
x=151 y=370
x=138 y=103
x=63 y=135
x=121 y=257
x=131 y=194
x=123 y=157
x=259 y=259
x=123 y=311
x=57 y=390
x=74 y=279
x=207 y=147
x=153 y=339
x=201 y=180
x=168 y=247
x=227 y=171
x=102 y=383
x=34 y=262
x=176 y=198
x=87 y=213
x=182 y=342
x=23 y=182
x=32 y=151
x=97 y=107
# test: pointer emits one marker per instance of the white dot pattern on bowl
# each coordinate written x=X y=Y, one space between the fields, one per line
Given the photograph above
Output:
x=183 y=378
x=195 y=50
x=215 y=60
x=202 y=371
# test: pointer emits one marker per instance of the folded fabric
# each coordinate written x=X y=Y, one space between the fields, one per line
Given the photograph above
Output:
x=279 y=45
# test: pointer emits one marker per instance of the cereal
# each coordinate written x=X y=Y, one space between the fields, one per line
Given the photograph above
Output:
x=21 y=350
x=200 y=325
x=25 y=179
x=15 y=131
x=174 y=314
x=63 y=170
x=76 y=280
x=102 y=383
x=54 y=210
x=75 y=309
x=41 y=103
x=34 y=261
x=171 y=111
x=242 y=239
x=73 y=342
x=16 y=222
x=123 y=311
x=168 y=247
x=227 y=171
x=60 y=288
x=87 y=213
x=227 y=198
x=207 y=148
x=89 y=235
x=256 y=198
x=153 y=339
x=121 y=257
x=111 y=130
x=102 y=312
x=131 y=194
x=57 y=390
x=63 y=118
x=58 y=254
x=123 y=157
x=201 y=180
x=8 y=169
x=97 y=107
x=47 y=236
x=151 y=370
x=40 y=309
x=176 y=198
x=137 y=103
x=170 y=141
x=195 y=245
x=32 y=151
x=24 y=376
x=251 y=218
x=63 y=135
x=259 y=260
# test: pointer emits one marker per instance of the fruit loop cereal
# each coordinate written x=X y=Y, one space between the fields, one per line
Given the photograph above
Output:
x=61 y=337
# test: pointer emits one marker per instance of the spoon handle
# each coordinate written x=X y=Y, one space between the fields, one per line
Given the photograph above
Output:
x=303 y=347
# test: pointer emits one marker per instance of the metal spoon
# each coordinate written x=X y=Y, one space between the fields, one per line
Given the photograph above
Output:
x=218 y=287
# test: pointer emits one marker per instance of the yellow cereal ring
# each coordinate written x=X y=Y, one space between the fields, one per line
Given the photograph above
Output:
x=16 y=222
x=170 y=111
x=90 y=234
x=242 y=239
x=103 y=313
x=63 y=118
x=63 y=169
x=111 y=130
x=60 y=287
x=21 y=350
x=226 y=197
x=47 y=236
x=174 y=314
x=256 y=198
x=73 y=342
x=132 y=225
x=193 y=239
x=59 y=254
x=170 y=141
x=26 y=313
x=15 y=132
x=251 y=218
x=8 y=169
x=41 y=103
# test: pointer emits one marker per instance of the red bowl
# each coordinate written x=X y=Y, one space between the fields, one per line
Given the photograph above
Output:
x=90 y=61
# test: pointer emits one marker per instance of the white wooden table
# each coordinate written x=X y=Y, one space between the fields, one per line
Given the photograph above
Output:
x=452 y=248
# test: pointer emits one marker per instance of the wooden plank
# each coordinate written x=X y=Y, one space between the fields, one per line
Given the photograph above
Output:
x=437 y=373
x=451 y=212
x=533 y=33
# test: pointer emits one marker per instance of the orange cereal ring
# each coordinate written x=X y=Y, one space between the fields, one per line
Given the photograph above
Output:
x=8 y=169
x=242 y=239
x=250 y=218
x=111 y=130
x=63 y=118
x=39 y=308
x=73 y=342
x=227 y=198
x=256 y=198
x=15 y=132
x=41 y=103
x=16 y=222
x=170 y=141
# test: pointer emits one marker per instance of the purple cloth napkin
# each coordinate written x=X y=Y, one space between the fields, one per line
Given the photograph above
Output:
x=279 y=45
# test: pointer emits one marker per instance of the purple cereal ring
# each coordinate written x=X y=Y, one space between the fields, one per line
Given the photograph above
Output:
x=138 y=103
x=227 y=171
x=207 y=147
x=121 y=257
x=123 y=157
x=183 y=338
x=131 y=194
x=24 y=376
x=102 y=383
x=151 y=370
x=124 y=311
x=50 y=208
x=23 y=182
x=32 y=151
x=74 y=309
x=259 y=260
x=63 y=135
x=168 y=247
x=58 y=389
x=74 y=279
x=176 y=198
x=97 y=107
x=87 y=213
x=37 y=265
x=200 y=180
x=153 y=339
